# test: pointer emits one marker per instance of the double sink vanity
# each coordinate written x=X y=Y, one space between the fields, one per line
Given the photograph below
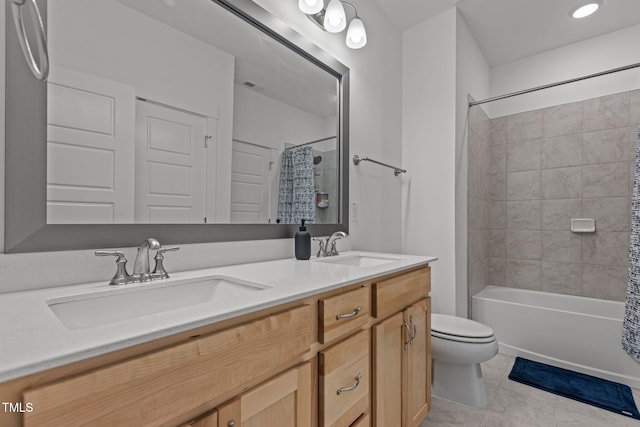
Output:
x=333 y=341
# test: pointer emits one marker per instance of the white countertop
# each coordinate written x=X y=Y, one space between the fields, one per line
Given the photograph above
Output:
x=33 y=339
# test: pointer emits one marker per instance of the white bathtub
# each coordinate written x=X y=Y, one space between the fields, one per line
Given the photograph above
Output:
x=578 y=333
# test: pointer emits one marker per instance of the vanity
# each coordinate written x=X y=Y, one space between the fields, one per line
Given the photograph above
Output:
x=340 y=341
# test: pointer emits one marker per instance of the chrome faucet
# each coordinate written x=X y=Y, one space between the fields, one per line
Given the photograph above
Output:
x=328 y=244
x=141 y=266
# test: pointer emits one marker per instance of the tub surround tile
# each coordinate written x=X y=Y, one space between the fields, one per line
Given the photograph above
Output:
x=605 y=180
x=497 y=271
x=498 y=186
x=562 y=119
x=634 y=107
x=562 y=183
x=557 y=214
x=563 y=246
x=610 y=213
x=522 y=156
x=497 y=158
x=498 y=130
x=523 y=185
x=524 y=126
x=524 y=274
x=524 y=244
x=606 y=146
x=606 y=112
x=561 y=151
x=604 y=281
x=523 y=214
x=497 y=243
x=497 y=214
x=609 y=248
x=562 y=278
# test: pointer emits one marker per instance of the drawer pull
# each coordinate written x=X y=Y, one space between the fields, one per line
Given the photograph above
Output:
x=354 y=313
x=406 y=326
x=415 y=330
x=352 y=386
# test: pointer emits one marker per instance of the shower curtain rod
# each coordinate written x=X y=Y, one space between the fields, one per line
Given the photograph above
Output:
x=564 y=82
x=309 y=143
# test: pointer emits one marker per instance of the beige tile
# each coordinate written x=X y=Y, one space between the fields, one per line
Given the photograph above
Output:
x=474 y=183
x=606 y=112
x=562 y=278
x=605 y=180
x=478 y=213
x=632 y=176
x=498 y=130
x=497 y=271
x=633 y=141
x=562 y=119
x=523 y=156
x=557 y=214
x=478 y=243
x=606 y=282
x=521 y=407
x=496 y=419
x=606 y=248
x=610 y=213
x=561 y=151
x=524 y=126
x=497 y=242
x=524 y=244
x=497 y=158
x=606 y=146
x=502 y=362
x=562 y=183
x=446 y=413
x=497 y=214
x=484 y=124
x=562 y=246
x=523 y=185
x=523 y=214
x=524 y=274
x=478 y=275
x=634 y=108
x=498 y=186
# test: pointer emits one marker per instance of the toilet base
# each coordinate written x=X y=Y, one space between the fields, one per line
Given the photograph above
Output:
x=460 y=383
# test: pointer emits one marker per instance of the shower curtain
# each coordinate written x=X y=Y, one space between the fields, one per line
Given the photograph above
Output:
x=296 y=196
x=631 y=325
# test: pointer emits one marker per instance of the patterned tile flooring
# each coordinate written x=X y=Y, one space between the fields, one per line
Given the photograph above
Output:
x=512 y=404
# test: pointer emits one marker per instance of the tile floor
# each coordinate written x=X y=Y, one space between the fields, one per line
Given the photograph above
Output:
x=512 y=404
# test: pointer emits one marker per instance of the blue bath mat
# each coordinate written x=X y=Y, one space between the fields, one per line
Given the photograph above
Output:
x=594 y=391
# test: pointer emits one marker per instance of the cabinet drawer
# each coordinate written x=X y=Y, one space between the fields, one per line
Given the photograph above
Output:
x=341 y=314
x=344 y=381
x=363 y=421
x=394 y=294
x=157 y=388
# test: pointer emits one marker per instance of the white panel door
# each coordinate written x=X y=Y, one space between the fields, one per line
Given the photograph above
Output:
x=170 y=165
x=90 y=149
x=250 y=183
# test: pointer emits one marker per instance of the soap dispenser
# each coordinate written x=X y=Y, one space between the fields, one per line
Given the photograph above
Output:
x=303 y=243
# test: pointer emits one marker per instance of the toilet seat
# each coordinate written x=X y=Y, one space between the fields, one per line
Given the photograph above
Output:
x=459 y=329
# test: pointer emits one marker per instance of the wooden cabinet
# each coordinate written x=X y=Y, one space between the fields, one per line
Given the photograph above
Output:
x=344 y=381
x=284 y=401
x=357 y=356
x=402 y=367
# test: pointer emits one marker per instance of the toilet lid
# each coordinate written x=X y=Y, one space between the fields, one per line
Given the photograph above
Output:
x=443 y=325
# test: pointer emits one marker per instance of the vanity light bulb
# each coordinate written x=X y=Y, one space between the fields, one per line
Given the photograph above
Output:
x=356 y=35
x=335 y=19
x=310 y=7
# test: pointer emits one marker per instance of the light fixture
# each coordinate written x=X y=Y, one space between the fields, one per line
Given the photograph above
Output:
x=334 y=20
x=585 y=9
x=310 y=7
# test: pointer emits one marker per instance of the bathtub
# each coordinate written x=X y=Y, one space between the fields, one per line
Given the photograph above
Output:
x=572 y=332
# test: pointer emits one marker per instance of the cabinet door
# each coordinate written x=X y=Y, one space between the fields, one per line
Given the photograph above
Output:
x=417 y=373
x=284 y=401
x=388 y=342
x=208 y=420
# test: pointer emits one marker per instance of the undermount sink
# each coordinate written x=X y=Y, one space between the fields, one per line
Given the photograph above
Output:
x=358 y=260
x=113 y=305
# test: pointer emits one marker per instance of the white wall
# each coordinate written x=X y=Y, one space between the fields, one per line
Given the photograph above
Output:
x=376 y=130
x=429 y=150
x=472 y=78
x=602 y=53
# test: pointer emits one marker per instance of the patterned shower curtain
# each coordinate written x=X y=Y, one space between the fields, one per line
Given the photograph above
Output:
x=296 y=196
x=631 y=325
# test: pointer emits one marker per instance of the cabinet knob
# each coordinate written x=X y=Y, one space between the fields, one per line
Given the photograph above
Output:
x=231 y=423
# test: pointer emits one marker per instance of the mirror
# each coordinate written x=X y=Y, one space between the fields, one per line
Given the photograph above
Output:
x=183 y=114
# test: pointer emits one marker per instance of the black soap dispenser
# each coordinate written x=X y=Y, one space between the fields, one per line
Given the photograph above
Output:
x=303 y=243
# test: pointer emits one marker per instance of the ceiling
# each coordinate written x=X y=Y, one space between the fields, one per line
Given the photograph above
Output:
x=507 y=30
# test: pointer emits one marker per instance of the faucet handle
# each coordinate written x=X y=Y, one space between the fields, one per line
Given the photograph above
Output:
x=159 y=272
x=323 y=242
x=121 y=277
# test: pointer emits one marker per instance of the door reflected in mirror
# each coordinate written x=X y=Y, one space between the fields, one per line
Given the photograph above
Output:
x=180 y=112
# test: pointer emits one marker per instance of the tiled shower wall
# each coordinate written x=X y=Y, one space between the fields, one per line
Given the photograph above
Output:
x=544 y=167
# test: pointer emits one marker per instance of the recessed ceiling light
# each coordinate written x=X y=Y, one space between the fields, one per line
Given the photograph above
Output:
x=585 y=9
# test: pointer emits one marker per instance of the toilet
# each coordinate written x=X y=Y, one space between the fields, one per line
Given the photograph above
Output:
x=458 y=346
